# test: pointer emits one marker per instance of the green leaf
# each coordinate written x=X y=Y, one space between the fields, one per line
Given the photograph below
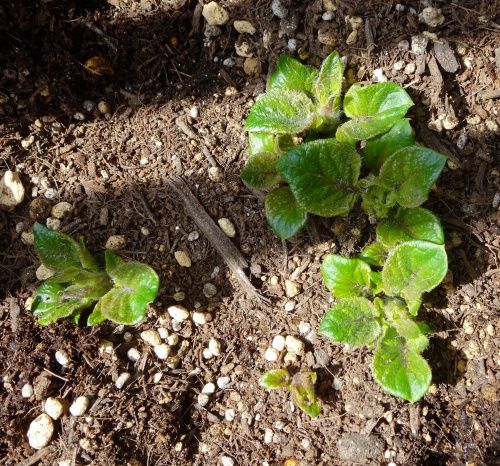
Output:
x=260 y=171
x=60 y=252
x=413 y=268
x=379 y=148
x=354 y=321
x=50 y=306
x=328 y=85
x=276 y=378
x=398 y=317
x=374 y=254
x=281 y=111
x=378 y=201
x=373 y=109
x=261 y=142
x=283 y=214
x=410 y=173
x=303 y=394
x=292 y=75
x=135 y=286
x=410 y=224
x=346 y=277
x=112 y=260
x=322 y=175
x=96 y=316
x=400 y=370
x=87 y=285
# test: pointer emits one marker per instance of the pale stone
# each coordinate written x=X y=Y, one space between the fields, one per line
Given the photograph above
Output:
x=290 y=359
x=151 y=337
x=203 y=399
x=27 y=237
x=106 y=347
x=271 y=355
x=379 y=75
x=209 y=290
x=182 y=258
x=115 y=242
x=230 y=414
x=122 y=380
x=214 y=346
x=432 y=17
x=244 y=27
x=53 y=224
x=251 y=66
x=162 y=351
x=42 y=272
x=11 y=190
x=40 y=431
x=27 y=141
x=292 y=288
x=214 y=14
x=27 y=390
x=173 y=339
x=61 y=209
x=223 y=381
x=79 y=406
x=243 y=49
x=54 y=408
x=62 y=358
x=278 y=343
x=201 y=318
x=294 y=345
x=133 y=355
x=208 y=388
x=226 y=461
x=178 y=312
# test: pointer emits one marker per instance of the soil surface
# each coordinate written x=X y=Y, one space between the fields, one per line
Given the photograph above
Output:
x=163 y=99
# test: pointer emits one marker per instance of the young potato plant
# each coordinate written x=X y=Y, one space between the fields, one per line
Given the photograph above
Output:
x=379 y=295
x=111 y=289
x=301 y=387
x=305 y=143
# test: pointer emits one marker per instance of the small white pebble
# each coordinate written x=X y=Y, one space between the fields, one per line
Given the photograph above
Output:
x=305 y=443
x=105 y=347
x=294 y=345
x=178 y=312
x=194 y=112
x=50 y=193
x=122 y=380
x=290 y=306
x=157 y=377
x=290 y=359
x=115 y=242
x=27 y=390
x=292 y=288
x=379 y=75
x=292 y=44
x=214 y=346
x=42 y=272
x=226 y=461
x=410 y=68
x=40 y=431
x=228 y=62
x=208 y=388
x=144 y=231
x=278 y=343
x=230 y=414
x=203 y=399
x=61 y=209
x=79 y=406
x=179 y=296
x=201 y=318
x=223 y=381
x=162 y=351
x=173 y=339
x=304 y=328
x=163 y=332
x=209 y=290
x=151 y=337
x=54 y=408
x=227 y=227
x=271 y=355
x=268 y=436
x=399 y=65
x=327 y=16
x=62 y=358
x=182 y=258
x=133 y=354
x=193 y=236
x=207 y=354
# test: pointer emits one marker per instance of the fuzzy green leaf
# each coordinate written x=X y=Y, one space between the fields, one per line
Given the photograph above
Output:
x=322 y=175
x=260 y=171
x=413 y=268
x=112 y=260
x=303 y=394
x=292 y=75
x=373 y=109
x=261 y=142
x=374 y=254
x=400 y=370
x=346 y=277
x=135 y=286
x=281 y=111
x=328 y=85
x=283 y=214
x=379 y=148
x=398 y=317
x=408 y=225
x=354 y=321
x=378 y=201
x=276 y=378
x=410 y=173
x=49 y=305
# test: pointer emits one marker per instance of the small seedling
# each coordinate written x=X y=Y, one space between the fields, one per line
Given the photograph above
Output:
x=379 y=296
x=301 y=387
x=305 y=143
x=112 y=288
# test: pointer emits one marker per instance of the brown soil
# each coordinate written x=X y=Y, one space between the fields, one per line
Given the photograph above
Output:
x=113 y=169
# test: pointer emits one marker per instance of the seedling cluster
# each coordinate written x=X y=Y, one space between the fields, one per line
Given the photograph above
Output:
x=110 y=288
x=308 y=147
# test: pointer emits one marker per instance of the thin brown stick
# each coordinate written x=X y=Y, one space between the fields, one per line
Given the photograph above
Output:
x=231 y=255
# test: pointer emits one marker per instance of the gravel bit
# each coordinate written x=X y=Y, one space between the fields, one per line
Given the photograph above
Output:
x=115 y=242
x=179 y=296
x=133 y=354
x=279 y=9
x=151 y=337
x=62 y=358
x=54 y=408
x=290 y=305
x=223 y=382
x=173 y=339
x=88 y=105
x=43 y=272
x=157 y=377
x=194 y=112
x=207 y=354
x=432 y=17
x=122 y=380
x=163 y=332
x=278 y=343
x=103 y=107
x=61 y=209
x=294 y=345
x=27 y=390
x=162 y=351
x=105 y=347
x=230 y=414
x=214 y=346
x=268 y=436
x=244 y=27
x=203 y=399
x=178 y=312
x=290 y=359
x=53 y=224
x=193 y=236
x=292 y=288
x=40 y=431
x=79 y=406
x=379 y=75
x=214 y=14
x=182 y=258
x=226 y=461
x=27 y=237
x=419 y=44
x=11 y=190
x=214 y=172
x=208 y=388
x=243 y=50
x=446 y=57
x=201 y=318
x=271 y=355
x=209 y=290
